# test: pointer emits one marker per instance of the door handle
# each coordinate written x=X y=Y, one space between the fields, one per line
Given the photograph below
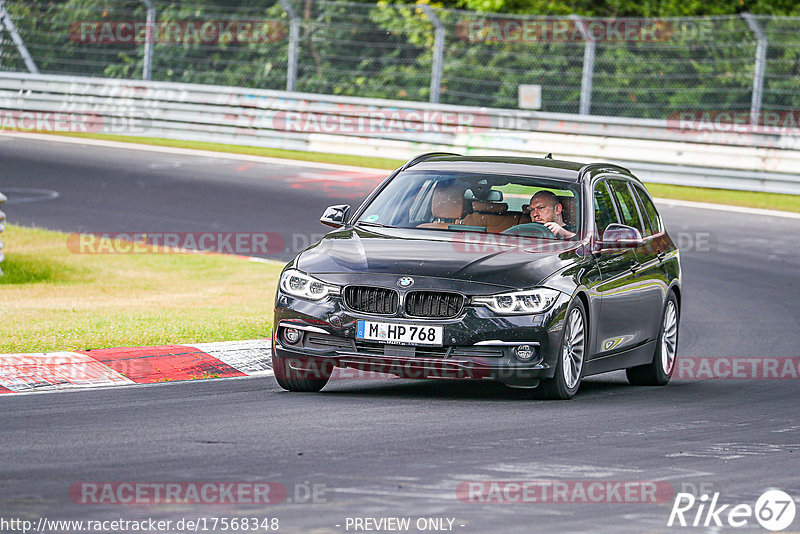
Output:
x=661 y=255
x=635 y=266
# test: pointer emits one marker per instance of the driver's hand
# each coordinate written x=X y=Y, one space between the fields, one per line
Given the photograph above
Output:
x=556 y=229
x=559 y=231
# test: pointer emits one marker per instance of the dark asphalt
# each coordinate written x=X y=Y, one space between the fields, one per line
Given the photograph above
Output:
x=140 y=191
x=395 y=447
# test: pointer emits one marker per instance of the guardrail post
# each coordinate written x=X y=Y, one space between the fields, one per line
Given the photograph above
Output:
x=294 y=43
x=5 y=20
x=2 y=227
x=760 y=67
x=150 y=37
x=438 y=52
x=588 y=67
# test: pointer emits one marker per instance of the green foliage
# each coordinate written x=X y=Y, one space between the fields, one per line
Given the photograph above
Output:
x=631 y=8
x=385 y=50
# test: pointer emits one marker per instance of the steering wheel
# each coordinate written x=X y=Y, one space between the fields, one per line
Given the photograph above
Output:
x=532 y=229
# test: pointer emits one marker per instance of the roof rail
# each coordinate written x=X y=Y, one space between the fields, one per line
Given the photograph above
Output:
x=423 y=157
x=594 y=166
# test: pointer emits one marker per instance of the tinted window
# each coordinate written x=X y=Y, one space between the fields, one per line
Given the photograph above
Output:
x=604 y=213
x=652 y=215
x=627 y=204
x=444 y=200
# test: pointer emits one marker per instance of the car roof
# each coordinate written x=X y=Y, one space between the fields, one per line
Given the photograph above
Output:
x=568 y=171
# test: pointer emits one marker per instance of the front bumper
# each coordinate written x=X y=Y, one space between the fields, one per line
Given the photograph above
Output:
x=477 y=344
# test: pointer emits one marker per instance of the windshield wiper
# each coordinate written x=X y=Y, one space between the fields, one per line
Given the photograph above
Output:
x=369 y=223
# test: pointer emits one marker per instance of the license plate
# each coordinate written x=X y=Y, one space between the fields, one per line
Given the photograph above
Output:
x=401 y=334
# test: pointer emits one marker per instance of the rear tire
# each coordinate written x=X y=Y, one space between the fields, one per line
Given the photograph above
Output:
x=312 y=376
x=659 y=371
x=571 y=357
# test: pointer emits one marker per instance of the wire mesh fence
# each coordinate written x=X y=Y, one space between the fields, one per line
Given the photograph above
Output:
x=651 y=68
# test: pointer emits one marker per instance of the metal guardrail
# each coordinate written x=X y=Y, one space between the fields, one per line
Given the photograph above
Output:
x=656 y=149
x=621 y=66
x=2 y=227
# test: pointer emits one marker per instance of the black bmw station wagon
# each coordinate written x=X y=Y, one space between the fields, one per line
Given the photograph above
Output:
x=532 y=272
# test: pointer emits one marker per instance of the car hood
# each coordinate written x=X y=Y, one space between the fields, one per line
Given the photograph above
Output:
x=495 y=259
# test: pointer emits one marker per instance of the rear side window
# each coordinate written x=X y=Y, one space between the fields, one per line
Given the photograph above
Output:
x=627 y=204
x=653 y=219
x=604 y=212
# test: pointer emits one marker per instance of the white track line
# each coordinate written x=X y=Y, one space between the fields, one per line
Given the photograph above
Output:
x=128 y=386
x=726 y=207
x=56 y=370
x=38 y=372
x=196 y=152
x=252 y=357
x=351 y=168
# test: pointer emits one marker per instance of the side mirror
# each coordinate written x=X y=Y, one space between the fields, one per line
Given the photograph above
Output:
x=620 y=236
x=335 y=216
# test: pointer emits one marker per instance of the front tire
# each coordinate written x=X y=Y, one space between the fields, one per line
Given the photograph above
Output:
x=659 y=371
x=299 y=374
x=571 y=357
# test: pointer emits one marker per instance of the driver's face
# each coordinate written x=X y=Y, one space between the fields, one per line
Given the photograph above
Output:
x=542 y=211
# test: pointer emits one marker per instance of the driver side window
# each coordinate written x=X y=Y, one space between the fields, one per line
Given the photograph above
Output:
x=604 y=211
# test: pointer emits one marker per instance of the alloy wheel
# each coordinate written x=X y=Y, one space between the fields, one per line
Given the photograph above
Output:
x=669 y=339
x=573 y=351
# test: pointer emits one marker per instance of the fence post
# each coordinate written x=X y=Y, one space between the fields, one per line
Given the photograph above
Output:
x=438 y=52
x=294 y=42
x=588 y=67
x=149 y=38
x=5 y=20
x=760 y=67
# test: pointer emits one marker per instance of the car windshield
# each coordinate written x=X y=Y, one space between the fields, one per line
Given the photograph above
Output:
x=477 y=202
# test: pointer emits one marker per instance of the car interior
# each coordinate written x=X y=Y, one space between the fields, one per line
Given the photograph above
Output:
x=481 y=208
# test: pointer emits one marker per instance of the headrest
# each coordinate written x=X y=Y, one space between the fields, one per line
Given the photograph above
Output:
x=489 y=207
x=448 y=202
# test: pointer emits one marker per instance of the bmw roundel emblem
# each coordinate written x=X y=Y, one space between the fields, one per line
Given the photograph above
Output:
x=405 y=281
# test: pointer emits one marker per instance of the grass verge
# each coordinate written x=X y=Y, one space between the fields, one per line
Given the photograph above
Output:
x=748 y=199
x=341 y=159
x=53 y=299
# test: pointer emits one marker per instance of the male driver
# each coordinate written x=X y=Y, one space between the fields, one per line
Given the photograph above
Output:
x=546 y=209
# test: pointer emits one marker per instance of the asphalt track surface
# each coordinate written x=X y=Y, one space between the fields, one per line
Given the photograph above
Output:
x=400 y=448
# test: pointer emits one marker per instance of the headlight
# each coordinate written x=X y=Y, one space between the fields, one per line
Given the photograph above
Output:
x=298 y=284
x=519 y=302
